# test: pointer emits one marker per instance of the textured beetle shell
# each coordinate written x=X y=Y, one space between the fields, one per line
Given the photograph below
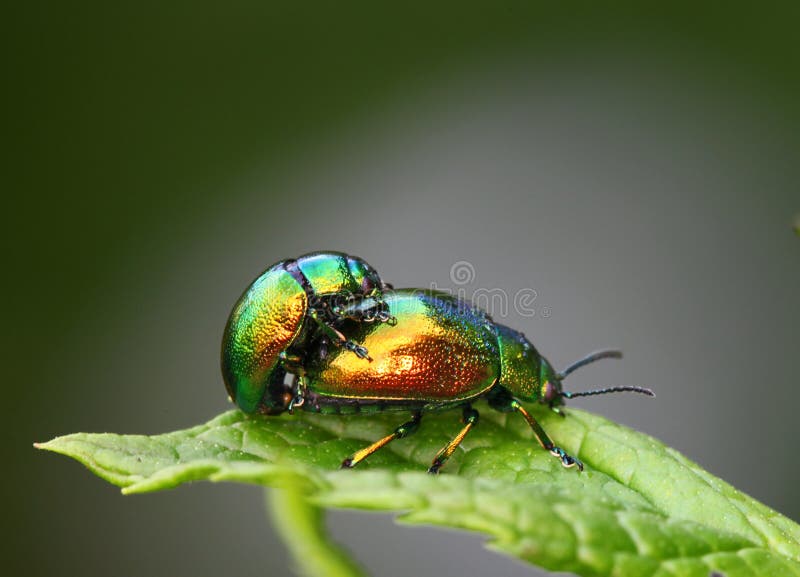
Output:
x=263 y=323
x=440 y=350
x=272 y=313
x=327 y=273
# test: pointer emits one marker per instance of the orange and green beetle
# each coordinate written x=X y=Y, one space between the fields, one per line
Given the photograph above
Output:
x=280 y=310
x=440 y=353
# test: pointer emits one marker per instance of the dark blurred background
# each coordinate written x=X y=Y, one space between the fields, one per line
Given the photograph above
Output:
x=636 y=167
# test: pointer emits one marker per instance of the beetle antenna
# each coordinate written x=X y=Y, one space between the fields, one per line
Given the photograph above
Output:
x=642 y=390
x=590 y=358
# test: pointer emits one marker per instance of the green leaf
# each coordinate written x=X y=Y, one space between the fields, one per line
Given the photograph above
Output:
x=301 y=524
x=639 y=508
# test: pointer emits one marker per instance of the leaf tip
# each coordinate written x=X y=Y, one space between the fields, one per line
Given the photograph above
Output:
x=55 y=445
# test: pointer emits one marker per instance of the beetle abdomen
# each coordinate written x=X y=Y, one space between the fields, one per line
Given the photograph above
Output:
x=264 y=322
x=440 y=349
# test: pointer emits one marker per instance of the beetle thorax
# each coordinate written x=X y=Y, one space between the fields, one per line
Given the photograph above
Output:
x=523 y=371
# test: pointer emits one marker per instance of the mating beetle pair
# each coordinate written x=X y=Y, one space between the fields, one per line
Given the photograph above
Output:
x=393 y=350
x=277 y=315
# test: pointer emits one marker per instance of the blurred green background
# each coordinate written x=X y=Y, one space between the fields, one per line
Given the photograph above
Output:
x=636 y=166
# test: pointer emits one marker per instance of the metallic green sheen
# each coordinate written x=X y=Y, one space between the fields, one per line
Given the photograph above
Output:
x=521 y=364
x=328 y=273
x=272 y=316
x=525 y=373
x=263 y=323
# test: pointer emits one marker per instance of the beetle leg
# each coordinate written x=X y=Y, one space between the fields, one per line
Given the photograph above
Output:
x=337 y=337
x=403 y=430
x=544 y=440
x=292 y=363
x=470 y=418
x=361 y=352
x=368 y=309
x=385 y=317
x=299 y=398
x=382 y=315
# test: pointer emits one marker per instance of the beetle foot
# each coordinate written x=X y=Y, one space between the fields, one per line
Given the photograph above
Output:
x=361 y=352
x=566 y=460
x=434 y=469
x=347 y=463
x=297 y=401
x=385 y=317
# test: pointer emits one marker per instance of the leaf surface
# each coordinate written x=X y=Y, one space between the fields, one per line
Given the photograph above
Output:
x=638 y=509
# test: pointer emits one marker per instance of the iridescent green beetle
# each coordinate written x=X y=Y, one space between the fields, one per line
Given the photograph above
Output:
x=281 y=309
x=440 y=354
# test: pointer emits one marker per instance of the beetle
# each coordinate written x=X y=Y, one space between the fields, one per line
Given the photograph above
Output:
x=442 y=353
x=279 y=311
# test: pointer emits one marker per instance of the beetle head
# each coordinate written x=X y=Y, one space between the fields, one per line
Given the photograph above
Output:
x=550 y=379
x=364 y=275
x=277 y=395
